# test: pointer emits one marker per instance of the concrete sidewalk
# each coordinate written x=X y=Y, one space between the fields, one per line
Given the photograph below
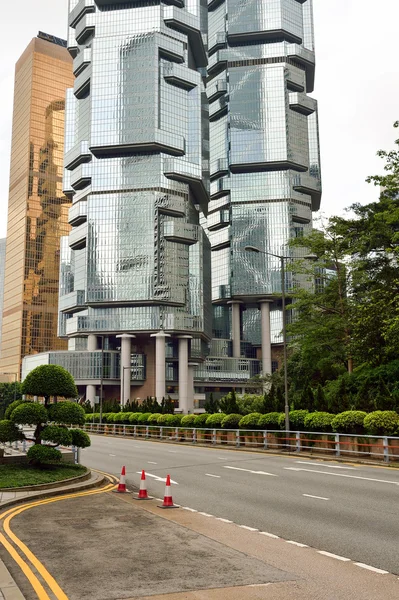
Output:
x=8 y=587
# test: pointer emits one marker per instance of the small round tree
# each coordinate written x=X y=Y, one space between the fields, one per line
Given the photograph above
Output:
x=49 y=380
x=51 y=421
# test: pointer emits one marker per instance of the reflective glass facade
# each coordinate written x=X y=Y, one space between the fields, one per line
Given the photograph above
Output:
x=2 y=272
x=38 y=208
x=264 y=152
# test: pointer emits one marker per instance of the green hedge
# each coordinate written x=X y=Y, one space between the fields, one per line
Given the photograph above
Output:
x=250 y=421
x=319 y=421
x=382 y=422
x=134 y=418
x=350 y=421
x=188 y=421
x=215 y=421
x=200 y=420
x=297 y=419
x=270 y=420
x=153 y=419
x=231 y=421
x=39 y=454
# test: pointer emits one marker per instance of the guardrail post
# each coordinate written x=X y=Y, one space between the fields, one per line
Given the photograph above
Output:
x=114 y=430
x=160 y=433
x=386 y=449
x=337 y=445
x=194 y=436
x=237 y=438
x=124 y=430
x=265 y=440
x=147 y=429
x=134 y=430
x=177 y=433
x=214 y=437
x=298 y=441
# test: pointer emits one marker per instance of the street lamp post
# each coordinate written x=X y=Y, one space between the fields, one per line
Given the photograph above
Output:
x=282 y=267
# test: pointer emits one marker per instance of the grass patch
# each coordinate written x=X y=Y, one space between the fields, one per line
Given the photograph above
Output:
x=16 y=476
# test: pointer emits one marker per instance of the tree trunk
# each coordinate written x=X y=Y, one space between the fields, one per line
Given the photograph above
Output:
x=38 y=433
x=350 y=365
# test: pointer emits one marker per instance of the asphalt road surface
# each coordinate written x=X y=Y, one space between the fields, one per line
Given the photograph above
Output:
x=345 y=509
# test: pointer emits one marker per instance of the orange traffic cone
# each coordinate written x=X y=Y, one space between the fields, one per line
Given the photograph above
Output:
x=122 y=483
x=167 y=501
x=143 y=495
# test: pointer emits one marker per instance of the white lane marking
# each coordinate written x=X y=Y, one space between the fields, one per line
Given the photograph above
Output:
x=221 y=458
x=210 y=475
x=342 y=475
x=205 y=514
x=270 y=535
x=297 y=544
x=112 y=454
x=315 y=497
x=157 y=478
x=173 y=451
x=189 y=509
x=248 y=528
x=374 y=569
x=223 y=520
x=150 y=462
x=333 y=556
x=302 y=462
x=249 y=471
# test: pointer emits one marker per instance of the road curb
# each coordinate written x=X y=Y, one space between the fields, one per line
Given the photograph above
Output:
x=97 y=481
x=8 y=588
x=48 y=486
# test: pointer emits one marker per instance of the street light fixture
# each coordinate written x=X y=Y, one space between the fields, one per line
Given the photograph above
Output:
x=282 y=259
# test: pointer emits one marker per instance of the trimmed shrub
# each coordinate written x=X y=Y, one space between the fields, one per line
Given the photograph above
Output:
x=188 y=421
x=250 y=421
x=39 y=454
x=350 y=421
x=200 y=420
x=173 y=420
x=162 y=419
x=134 y=417
x=10 y=408
x=67 y=413
x=215 y=421
x=118 y=418
x=153 y=419
x=80 y=438
x=109 y=418
x=124 y=417
x=231 y=421
x=319 y=421
x=57 y=435
x=29 y=413
x=382 y=422
x=297 y=419
x=143 y=418
x=270 y=421
x=9 y=432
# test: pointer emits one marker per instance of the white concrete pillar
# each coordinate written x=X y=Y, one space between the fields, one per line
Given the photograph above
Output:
x=91 y=394
x=92 y=343
x=183 y=372
x=126 y=351
x=236 y=327
x=160 y=367
x=190 y=387
x=266 y=337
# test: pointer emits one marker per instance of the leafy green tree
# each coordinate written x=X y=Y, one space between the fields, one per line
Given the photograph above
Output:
x=8 y=393
x=228 y=404
x=212 y=406
x=49 y=381
x=307 y=399
x=383 y=400
x=320 y=402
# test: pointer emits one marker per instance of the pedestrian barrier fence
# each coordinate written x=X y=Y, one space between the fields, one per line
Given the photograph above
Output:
x=385 y=448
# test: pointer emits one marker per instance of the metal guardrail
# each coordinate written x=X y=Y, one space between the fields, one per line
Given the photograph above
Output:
x=22 y=447
x=384 y=448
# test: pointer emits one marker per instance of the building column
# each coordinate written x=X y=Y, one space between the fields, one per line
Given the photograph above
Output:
x=91 y=394
x=236 y=327
x=126 y=351
x=92 y=343
x=183 y=372
x=266 y=337
x=190 y=387
x=160 y=367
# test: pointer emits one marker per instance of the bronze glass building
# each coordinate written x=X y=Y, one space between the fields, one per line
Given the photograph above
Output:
x=38 y=208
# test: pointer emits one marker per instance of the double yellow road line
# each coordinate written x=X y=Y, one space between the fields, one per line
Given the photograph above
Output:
x=26 y=559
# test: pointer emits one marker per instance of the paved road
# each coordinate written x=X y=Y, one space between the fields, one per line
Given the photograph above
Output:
x=348 y=510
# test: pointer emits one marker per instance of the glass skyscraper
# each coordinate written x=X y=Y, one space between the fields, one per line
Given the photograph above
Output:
x=135 y=269
x=190 y=135
x=37 y=206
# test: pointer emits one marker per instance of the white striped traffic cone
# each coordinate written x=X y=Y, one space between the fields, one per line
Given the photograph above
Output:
x=122 y=482
x=167 y=501
x=143 y=495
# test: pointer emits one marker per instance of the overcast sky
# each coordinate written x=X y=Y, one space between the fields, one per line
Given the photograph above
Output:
x=357 y=86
